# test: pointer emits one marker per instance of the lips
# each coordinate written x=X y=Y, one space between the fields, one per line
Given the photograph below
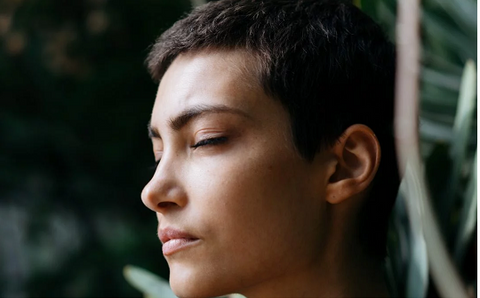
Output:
x=175 y=240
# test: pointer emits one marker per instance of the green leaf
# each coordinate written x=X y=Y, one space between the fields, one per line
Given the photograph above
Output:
x=417 y=264
x=441 y=79
x=417 y=276
x=435 y=131
x=441 y=63
x=150 y=284
x=448 y=36
x=462 y=129
x=465 y=110
x=462 y=12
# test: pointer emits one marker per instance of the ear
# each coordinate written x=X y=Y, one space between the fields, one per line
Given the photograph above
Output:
x=357 y=153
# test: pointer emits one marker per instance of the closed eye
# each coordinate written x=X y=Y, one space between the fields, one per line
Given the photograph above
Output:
x=211 y=141
x=205 y=142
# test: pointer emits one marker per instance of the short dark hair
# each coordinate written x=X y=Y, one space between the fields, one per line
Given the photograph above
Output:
x=327 y=62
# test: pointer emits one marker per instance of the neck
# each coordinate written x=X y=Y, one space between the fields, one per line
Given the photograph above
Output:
x=354 y=276
x=341 y=269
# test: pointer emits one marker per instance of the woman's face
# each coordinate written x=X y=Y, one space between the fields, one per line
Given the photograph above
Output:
x=237 y=206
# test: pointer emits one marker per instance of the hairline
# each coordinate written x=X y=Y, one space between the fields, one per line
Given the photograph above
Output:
x=258 y=69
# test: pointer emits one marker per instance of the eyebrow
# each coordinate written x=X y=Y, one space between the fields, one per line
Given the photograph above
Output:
x=180 y=121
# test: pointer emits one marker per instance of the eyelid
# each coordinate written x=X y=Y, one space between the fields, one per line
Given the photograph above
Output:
x=208 y=134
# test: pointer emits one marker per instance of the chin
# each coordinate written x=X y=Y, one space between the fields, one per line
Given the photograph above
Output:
x=197 y=282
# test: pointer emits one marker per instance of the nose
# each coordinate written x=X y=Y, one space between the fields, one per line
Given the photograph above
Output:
x=164 y=192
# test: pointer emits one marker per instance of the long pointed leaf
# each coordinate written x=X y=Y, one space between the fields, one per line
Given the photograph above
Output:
x=151 y=285
x=463 y=12
x=449 y=37
x=462 y=130
x=441 y=79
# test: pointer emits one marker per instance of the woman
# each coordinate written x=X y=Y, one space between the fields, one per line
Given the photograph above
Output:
x=271 y=131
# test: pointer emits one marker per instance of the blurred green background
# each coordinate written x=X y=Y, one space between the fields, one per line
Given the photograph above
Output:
x=75 y=99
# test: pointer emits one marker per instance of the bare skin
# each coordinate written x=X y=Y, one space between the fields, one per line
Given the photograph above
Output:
x=264 y=221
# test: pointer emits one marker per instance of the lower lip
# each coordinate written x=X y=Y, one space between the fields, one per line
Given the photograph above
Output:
x=174 y=245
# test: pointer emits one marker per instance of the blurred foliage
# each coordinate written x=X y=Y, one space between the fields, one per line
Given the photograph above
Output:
x=75 y=99
x=153 y=286
x=148 y=283
x=448 y=130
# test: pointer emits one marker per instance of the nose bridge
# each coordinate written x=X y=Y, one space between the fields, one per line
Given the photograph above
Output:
x=164 y=190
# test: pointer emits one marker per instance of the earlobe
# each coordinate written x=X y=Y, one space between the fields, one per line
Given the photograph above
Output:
x=357 y=153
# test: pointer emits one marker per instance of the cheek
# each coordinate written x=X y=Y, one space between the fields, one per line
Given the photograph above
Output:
x=251 y=203
x=245 y=184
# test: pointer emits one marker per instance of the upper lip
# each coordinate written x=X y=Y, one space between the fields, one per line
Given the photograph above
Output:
x=169 y=233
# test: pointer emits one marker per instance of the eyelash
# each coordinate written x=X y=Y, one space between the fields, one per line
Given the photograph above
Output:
x=211 y=141
x=205 y=142
x=155 y=165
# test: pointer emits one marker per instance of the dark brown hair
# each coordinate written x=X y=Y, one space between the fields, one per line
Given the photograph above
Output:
x=327 y=62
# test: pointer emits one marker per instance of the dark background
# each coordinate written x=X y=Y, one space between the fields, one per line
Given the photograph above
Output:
x=75 y=99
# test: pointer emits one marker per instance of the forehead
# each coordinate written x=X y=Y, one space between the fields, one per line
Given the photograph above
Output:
x=212 y=78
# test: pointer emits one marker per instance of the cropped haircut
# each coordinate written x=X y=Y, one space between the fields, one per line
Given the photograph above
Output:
x=328 y=64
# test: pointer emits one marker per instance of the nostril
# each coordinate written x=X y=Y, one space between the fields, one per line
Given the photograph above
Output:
x=164 y=205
